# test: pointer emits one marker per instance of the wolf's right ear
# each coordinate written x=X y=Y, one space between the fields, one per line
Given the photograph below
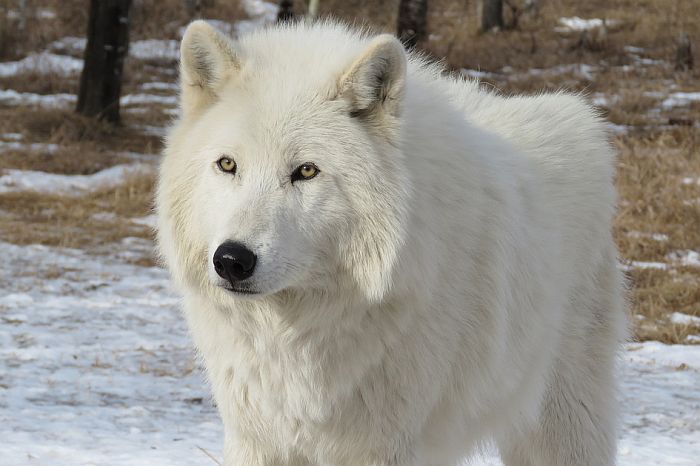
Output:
x=207 y=60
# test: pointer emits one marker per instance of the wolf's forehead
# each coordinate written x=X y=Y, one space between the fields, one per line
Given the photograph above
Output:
x=277 y=109
x=307 y=54
x=267 y=127
x=285 y=91
x=292 y=61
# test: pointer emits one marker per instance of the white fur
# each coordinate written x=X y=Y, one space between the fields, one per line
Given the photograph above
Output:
x=448 y=277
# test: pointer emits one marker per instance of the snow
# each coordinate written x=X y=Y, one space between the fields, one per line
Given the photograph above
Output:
x=260 y=13
x=582 y=70
x=633 y=50
x=104 y=216
x=679 y=99
x=45 y=13
x=261 y=10
x=12 y=97
x=477 y=74
x=600 y=100
x=148 y=220
x=647 y=61
x=148 y=49
x=618 y=129
x=160 y=86
x=685 y=319
x=41 y=13
x=629 y=265
x=95 y=365
x=31 y=147
x=12 y=136
x=579 y=24
x=686 y=258
x=12 y=180
x=96 y=368
x=44 y=63
x=654 y=236
x=155 y=49
x=69 y=45
x=152 y=130
x=141 y=99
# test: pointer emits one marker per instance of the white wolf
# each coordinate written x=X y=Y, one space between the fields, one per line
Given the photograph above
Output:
x=383 y=265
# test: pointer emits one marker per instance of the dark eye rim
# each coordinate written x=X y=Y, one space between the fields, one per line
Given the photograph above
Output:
x=297 y=176
x=231 y=171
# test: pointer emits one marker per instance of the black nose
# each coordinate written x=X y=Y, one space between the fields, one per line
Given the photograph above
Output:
x=234 y=261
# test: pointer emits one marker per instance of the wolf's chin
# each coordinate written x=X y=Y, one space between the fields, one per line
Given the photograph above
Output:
x=241 y=290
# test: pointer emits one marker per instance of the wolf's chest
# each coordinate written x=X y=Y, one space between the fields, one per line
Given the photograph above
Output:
x=268 y=380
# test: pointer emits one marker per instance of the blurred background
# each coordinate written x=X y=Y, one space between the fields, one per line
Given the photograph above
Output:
x=96 y=366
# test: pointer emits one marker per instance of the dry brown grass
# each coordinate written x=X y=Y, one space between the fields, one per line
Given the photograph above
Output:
x=660 y=149
x=79 y=159
x=655 y=200
x=85 y=145
x=25 y=30
x=78 y=222
x=149 y=19
x=40 y=83
x=454 y=31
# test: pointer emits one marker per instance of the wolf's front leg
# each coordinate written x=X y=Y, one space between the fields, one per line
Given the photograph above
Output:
x=238 y=453
x=402 y=457
x=393 y=462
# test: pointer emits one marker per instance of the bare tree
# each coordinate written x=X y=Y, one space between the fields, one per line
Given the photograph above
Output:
x=286 y=11
x=491 y=15
x=195 y=7
x=313 y=8
x=192 y=7
x=413 y=19
x=684 y=53
x=107 y=46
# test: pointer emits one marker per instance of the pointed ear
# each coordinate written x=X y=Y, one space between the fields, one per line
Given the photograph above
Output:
x=207 y=60
x=375 y=81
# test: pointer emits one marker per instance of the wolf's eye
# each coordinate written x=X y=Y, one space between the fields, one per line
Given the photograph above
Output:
x=305 y=171
x=226 y=165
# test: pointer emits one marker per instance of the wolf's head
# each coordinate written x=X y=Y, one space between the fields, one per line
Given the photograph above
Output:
x=284 y=171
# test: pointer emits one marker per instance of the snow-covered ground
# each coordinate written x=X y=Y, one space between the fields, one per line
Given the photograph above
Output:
x=96 y=369
x=95 y=364
x=44 y=62
x=73 y=185
x=579 y=24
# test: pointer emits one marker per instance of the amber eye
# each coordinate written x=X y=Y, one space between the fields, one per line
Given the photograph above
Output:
x=305 y=171
x=226 y=165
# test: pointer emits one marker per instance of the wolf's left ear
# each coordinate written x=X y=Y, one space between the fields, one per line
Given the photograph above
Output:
x=207 y=61
x=375 y=81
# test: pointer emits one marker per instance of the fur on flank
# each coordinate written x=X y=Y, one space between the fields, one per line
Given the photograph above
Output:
x=447 y=277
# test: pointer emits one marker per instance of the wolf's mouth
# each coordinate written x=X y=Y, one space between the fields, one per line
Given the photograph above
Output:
x=240 y=290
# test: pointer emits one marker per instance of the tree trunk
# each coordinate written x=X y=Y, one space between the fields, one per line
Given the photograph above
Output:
x=107 y=46
x=684 y=53
x=313 y=9
x=413 y=18
x=286 y=11
x=491 y=15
